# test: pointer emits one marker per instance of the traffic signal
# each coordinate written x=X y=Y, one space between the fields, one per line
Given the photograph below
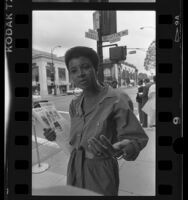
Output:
x=118 y=53
x=108 y=22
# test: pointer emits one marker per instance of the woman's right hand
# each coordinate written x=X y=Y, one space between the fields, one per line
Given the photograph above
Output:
x=49 y=134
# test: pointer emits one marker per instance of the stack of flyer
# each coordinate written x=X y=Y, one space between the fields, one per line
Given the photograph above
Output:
x=49 y=117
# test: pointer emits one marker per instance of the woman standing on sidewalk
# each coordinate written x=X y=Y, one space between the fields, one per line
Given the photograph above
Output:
x=139 y=100
x=103 y=127
x=149 y=107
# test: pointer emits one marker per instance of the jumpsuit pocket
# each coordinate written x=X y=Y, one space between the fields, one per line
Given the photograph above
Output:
x=100 y=128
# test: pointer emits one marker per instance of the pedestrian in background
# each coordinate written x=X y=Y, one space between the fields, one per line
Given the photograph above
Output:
x=114 y=84
x=103 y=127
x=144 y=96
x=150 y=106
x=139 y=100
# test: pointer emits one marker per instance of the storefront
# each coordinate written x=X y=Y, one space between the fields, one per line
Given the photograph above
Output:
x=124 y=73
x=48 y=78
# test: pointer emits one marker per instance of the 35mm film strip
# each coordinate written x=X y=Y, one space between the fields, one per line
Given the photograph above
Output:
x=169 y=92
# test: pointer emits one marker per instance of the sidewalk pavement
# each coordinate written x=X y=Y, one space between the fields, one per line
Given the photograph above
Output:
x=137 y=178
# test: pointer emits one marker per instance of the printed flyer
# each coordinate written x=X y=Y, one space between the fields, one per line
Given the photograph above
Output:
x=49 y=117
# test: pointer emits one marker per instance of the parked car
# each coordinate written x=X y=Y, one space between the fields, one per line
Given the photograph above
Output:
x=70 y=92
x=75 y=91
x=36 y=97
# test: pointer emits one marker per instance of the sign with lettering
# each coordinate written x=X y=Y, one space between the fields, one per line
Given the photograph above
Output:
x=92 y=31
x=115 y=36
x=90 y=35
x=116 y=39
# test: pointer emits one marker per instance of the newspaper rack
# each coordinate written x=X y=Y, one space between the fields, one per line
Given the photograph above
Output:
x=40 y=166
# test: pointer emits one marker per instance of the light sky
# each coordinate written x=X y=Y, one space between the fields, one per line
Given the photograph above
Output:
x=67 y=28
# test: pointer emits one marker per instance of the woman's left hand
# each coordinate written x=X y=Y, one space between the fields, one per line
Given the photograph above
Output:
x=103 y=146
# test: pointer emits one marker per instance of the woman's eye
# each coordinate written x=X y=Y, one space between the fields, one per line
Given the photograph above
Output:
x=86 y=66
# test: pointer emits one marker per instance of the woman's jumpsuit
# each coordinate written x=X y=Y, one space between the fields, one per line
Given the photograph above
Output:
x=112 y=117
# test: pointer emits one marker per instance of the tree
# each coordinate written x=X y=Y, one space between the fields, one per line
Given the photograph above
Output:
x=150 y=60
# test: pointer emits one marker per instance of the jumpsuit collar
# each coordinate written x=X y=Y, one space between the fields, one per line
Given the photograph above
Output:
x=109 y=93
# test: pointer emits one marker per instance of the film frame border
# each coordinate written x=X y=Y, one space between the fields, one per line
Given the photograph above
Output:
x=169 y=43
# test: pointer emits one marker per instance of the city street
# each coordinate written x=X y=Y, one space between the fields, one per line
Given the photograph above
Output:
x=62 y=102
x=137 y=178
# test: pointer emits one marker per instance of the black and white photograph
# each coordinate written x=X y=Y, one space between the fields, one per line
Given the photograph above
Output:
x=95 y=1
x=98 y=69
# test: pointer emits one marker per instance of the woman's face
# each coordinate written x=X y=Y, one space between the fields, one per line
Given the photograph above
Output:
x=82 y=72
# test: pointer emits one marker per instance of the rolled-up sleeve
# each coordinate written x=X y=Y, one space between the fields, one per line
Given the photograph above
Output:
x=128 y=127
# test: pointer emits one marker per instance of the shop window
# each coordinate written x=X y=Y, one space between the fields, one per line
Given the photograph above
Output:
x=49 y=72
x=107 y=72
x=62 y=74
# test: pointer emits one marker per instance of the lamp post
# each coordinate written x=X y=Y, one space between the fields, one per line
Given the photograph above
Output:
x=52 y=50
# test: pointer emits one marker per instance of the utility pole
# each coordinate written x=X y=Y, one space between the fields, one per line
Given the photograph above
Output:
x=53 y=67
x=99 y=49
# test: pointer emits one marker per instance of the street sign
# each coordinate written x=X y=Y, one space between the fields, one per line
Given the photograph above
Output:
x=96 y=20
x=90 y=35
x=132 y=52
x=115 y=39
x=114 y=36
x=92 y=31
x=123 y=33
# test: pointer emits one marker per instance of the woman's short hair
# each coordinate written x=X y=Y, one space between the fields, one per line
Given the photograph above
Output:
x=80 y=51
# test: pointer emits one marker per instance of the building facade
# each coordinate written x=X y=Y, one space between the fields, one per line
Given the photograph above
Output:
x=49 y=74
x=128 y=73
x=124 y=73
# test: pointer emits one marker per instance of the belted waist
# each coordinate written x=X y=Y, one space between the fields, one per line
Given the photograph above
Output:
x=90 y=155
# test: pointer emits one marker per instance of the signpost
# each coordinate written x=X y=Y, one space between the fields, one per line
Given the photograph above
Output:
x=92 y=35
x=92 y=31
x=96 y=20
x=99 y=49
x=104 y=30
x=115 y=36
x=116 y=39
